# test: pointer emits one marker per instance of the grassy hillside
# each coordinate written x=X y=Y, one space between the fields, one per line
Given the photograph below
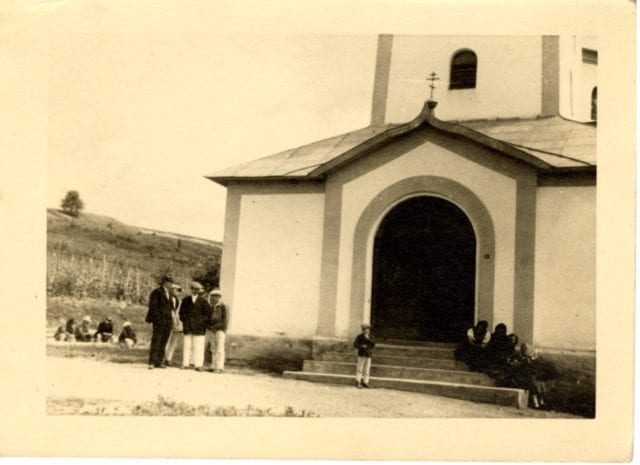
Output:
x=94 y=256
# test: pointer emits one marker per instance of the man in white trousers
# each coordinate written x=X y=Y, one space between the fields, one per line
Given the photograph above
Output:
x=217 y=329
x=195 y=314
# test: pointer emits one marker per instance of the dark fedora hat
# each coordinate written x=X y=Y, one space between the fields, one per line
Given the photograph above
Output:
x=167 y=279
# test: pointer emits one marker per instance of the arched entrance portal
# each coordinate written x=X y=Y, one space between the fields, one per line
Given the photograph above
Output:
x=424 y=266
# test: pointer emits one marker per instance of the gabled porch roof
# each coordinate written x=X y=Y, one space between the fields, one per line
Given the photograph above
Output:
x=550 y=145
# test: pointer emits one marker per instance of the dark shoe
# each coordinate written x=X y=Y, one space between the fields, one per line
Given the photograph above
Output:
x=160 y=366
x=365 y=385
x=167 y=363
x=199 y=369
x=209 y=370
x=184 y=367
x=217 y=370
x=150 y=367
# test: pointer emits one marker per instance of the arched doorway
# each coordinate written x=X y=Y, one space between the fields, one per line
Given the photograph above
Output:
x=424 y=264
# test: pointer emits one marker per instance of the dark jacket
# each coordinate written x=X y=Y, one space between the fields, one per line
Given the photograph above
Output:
x=159 y=308
x=364 y=345
x=105 y=327
x=219 y=317
x=127 y=333
x=195 y=317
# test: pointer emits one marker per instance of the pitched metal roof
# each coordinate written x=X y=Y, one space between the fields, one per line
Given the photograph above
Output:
x=300 y=161
x=557 y=141
x=549 y=144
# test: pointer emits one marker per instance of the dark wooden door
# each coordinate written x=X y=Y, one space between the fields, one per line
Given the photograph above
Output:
x=424 y=272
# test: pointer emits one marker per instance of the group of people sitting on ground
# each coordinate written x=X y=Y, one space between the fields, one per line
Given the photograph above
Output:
x=198 y=319
x=70 y=331
x=496 y=355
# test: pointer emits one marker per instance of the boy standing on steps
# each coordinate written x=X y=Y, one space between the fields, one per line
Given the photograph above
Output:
x=365 y=344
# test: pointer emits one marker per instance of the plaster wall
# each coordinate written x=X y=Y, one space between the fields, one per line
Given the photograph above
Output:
x=277 y=267
x=565 y=268
x=497 y=192
x=577 y=78
x=509 y=78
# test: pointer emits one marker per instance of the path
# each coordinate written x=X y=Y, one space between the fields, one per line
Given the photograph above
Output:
x=89 y=379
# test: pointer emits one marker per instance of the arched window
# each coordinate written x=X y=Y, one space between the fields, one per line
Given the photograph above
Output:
x=464 y=67
x=594 y=103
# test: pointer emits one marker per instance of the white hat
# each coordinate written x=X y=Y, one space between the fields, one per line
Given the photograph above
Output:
x=87 y=318
x=215 y=292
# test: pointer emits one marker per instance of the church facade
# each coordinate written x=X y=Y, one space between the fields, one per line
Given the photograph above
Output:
x=480 y=206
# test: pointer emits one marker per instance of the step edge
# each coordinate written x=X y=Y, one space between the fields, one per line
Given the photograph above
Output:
x=409 y=381
x=402 y=367
x=395 y=346
x=344 y=354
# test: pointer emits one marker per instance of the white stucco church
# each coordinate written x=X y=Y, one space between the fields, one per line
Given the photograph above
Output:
x=481 y=205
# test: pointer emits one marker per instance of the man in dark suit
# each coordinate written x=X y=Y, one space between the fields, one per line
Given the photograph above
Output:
x=159 y=315
x=195 y=314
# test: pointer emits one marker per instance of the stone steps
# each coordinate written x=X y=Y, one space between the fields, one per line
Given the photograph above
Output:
x=477 y=393
x=418 y=366
x=414 y=351
x=400 y=372
x=394 y=360
x=409 y=342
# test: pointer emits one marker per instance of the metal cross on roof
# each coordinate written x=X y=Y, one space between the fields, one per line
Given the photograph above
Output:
x=432 y=77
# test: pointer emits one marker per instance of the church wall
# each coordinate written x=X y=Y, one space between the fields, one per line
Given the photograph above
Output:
x=578 y=78
x=565 y=268
x=277 y=263
x=508 y=85
x=496 y=191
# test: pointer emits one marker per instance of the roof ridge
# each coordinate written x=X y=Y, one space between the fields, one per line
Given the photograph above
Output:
x=546 y=152
x=500 y=120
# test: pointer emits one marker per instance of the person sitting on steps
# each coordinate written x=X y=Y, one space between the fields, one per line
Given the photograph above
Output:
x=473 y=351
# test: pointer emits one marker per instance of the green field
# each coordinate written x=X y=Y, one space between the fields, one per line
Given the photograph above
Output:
x=101 y=267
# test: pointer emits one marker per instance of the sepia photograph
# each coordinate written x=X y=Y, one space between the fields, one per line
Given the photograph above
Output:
x=271 y=232
x=389 y=271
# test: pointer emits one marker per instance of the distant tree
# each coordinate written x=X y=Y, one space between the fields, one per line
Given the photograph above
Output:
x=208 y=274
x=72 y=204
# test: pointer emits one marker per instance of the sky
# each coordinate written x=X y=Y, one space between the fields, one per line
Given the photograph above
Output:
x=137 y=120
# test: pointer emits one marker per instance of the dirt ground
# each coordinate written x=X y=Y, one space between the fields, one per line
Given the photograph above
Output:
x=93 y=382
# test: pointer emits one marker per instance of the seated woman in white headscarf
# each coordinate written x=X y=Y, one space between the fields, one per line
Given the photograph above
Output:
x=473 y=350
x=127 y=337
x=84 y=332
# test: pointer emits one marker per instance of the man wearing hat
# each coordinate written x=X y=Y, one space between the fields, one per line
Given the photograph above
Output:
x=217 y=329
x=365 y=344
x=195 y=313
x=159 y=315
